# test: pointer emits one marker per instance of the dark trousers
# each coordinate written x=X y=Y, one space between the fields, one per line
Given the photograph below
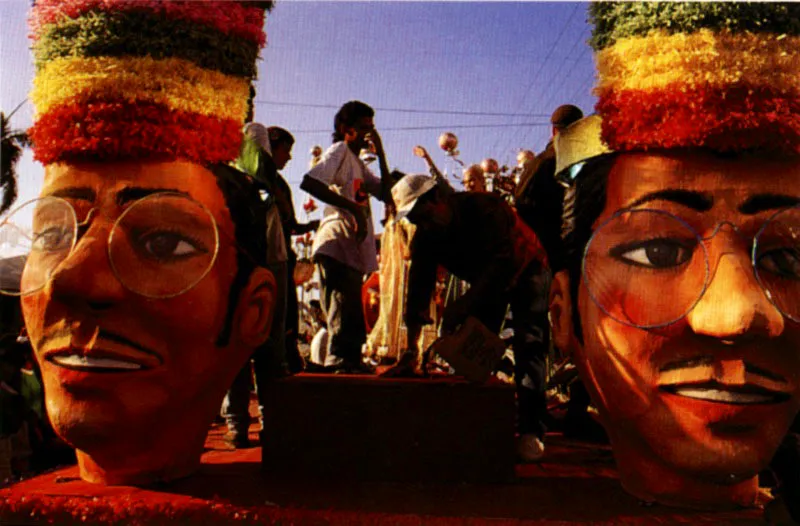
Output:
x=786 y=467
x=340 y=294
x=267 y=364
x=531 y=343
x=293 y=359
x=529 y=303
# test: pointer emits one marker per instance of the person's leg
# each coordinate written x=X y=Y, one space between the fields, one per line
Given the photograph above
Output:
x=786 y=467
x=293 y=359
x=235 y=407
x=531 y=342
x=269 y=359
x=341 y=296
x=275 y=346
x=354 y=328
x=330 y=300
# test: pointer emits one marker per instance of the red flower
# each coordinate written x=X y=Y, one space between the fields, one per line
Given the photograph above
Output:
x=310 y=205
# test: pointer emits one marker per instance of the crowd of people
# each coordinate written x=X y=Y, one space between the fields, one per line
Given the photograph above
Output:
x=682 y=333
x=495 y=255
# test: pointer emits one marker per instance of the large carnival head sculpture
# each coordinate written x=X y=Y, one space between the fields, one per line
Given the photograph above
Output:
x=143 y=292
x=681 y=300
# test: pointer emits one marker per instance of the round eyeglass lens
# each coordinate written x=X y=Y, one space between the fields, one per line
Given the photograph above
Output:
x=776 y=259
x=34 y=239
x=645 y=268
x=163 y=245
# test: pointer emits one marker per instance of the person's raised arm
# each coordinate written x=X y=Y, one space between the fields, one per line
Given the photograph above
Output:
x=387 y=181
x=440 y=179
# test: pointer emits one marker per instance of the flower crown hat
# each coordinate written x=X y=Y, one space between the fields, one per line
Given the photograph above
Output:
x=718 y=75
x=723 y=76
x=143 y=79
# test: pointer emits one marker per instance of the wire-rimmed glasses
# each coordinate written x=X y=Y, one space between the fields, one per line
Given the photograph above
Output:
x=160 y=246
x=649 y=268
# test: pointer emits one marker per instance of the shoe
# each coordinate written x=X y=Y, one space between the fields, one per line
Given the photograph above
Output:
x=237 y=441
x=584 y=427
x=354 y=368
x=530 y=448
x=406 y=367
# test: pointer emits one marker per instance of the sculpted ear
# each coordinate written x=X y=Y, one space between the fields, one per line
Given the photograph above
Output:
x=561 y=313
x=256 y=306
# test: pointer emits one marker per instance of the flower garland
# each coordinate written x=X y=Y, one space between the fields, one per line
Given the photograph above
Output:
x=173 y=83
x=231 y=18
x=703 y=57
x=618 y=20
x=140 y=34
x=118 y=510
x=105 y=131
x=729 y=118
x=719 y=75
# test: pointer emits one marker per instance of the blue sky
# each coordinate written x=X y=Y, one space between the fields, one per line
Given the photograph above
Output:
x=491 y=72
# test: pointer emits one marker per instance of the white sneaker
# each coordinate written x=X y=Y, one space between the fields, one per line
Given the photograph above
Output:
x=530 y=448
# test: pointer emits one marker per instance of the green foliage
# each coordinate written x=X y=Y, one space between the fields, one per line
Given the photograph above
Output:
x=12 y=143
x=617 y=20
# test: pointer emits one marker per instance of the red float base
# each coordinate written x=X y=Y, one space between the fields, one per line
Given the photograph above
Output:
x=365 y=428
x=576 y=483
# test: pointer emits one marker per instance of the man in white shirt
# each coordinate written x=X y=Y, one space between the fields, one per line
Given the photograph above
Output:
x=344 y=246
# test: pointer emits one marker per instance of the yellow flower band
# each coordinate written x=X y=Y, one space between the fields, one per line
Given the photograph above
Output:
x=702 y=58
x=174 y=83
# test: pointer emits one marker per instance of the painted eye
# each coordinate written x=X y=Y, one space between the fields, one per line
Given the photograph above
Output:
x=52 y=239
x=656 y=253
x=168 y=246
x=784 y=262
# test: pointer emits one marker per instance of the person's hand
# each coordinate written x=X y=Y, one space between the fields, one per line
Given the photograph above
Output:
x=361 y=217
x=421 y=152
x=454 y=315
x=423 y=318
x=375 y=138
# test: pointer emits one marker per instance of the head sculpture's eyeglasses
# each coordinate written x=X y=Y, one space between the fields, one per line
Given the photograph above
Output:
x=160 y=246
x=649 y=268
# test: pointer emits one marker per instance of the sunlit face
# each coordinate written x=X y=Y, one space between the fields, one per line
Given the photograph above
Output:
x=118 y=366
x=282 y=154
x=356 y=136
x=474 y=181
x=713 y=393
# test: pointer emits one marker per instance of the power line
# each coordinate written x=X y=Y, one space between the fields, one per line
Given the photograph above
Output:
x=535 y=77
x=442 y=127
x=524 y=136
x=404 y=110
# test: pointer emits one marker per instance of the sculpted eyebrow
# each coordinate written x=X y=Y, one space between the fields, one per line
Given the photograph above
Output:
x=84 y=193
x=133 y=193
x=762 y=202
x=702 y=202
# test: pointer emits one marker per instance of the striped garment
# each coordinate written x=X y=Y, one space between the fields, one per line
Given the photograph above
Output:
x=123 y=79
x=723 y=76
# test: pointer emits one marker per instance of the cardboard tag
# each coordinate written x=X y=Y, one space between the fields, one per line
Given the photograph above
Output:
x=473 y=351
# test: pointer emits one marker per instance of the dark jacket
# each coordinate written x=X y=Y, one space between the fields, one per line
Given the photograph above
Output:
x=486 y=245
x=539 y=201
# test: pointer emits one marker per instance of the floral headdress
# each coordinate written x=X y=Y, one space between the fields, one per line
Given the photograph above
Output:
x=717 y=75
x=143 y=79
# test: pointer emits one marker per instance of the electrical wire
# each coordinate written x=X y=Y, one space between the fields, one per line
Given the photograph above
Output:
x=404 y=110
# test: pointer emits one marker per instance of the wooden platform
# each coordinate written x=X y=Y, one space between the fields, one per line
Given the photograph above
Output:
x=576 y=483
x=376 y=429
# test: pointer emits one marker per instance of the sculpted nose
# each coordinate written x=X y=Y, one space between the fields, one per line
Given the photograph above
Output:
x=84 y=280
x=734 y=305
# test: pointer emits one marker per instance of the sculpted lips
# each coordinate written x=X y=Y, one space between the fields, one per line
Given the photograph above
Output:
x=723 y=381
x=108 y=353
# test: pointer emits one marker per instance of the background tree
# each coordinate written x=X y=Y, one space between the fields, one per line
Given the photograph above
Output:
x=13 y=141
